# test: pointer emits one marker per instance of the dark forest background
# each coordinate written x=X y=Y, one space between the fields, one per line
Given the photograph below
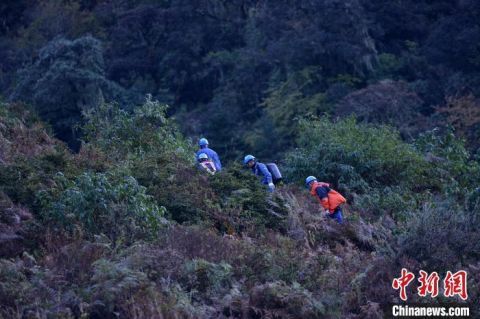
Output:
x=243 y=72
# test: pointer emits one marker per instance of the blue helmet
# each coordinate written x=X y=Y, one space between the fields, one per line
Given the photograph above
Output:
x=203 y=142
x=309 y=179
x=202 y=156
x=248 y=158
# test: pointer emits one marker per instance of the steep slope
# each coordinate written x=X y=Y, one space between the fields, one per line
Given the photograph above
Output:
x=129 y=228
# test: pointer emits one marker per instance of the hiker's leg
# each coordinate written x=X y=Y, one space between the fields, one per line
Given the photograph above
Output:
x=338 y=215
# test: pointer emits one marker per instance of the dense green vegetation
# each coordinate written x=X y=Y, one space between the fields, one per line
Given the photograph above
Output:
x=103 y=213
x=129 y=226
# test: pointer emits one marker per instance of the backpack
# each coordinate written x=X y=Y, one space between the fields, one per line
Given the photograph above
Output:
x=276 y=175
x=209 y=166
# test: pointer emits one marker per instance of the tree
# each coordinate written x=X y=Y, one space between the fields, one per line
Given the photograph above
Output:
x=463 y=113
x=67 y=78
x=387 y=102
x=12 y=14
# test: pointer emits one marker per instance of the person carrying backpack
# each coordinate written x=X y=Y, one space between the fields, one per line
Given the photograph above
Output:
x=212 y=155
x=206 y=164
x=330 y=199
x=263 y=170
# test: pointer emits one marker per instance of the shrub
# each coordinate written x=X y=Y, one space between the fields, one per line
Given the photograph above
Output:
x=393 y=201
x=118 y=290
x=113 y=204
x=278 y=300
x=442 y=235
x=175 y=184
x=132 y=136
x=29 y=157
x=278 y=258
x=14 y=286
x=354 y=156
x=244 y=204
x=201 y=276
x=111 y=281
x=452 y=170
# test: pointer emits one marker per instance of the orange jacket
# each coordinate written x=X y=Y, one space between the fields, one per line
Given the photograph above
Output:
x=332 y=200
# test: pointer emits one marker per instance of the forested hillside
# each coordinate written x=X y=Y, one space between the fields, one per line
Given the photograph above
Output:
x=104 y=214
x=244 y=71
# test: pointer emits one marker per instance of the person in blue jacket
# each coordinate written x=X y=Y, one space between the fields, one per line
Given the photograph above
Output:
x=260 y=169
x=203 y=144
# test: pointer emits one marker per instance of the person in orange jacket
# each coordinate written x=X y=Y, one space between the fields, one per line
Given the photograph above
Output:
x=330 y=199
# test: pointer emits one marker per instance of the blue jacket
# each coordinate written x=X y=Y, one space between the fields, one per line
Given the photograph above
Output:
x=211 y=155
x=261 y=169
